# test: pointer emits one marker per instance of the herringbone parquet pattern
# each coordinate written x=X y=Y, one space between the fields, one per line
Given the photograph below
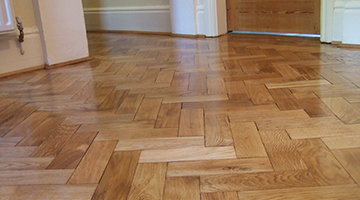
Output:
x=158 y=117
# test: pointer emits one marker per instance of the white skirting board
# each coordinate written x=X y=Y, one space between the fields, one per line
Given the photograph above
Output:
x=142 y=18
x=10 y=56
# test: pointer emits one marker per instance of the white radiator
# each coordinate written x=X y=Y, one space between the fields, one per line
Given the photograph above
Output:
x=7 y=20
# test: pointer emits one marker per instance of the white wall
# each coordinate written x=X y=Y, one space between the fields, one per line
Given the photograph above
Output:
x=183 y=18
x=10 y=56
x=134 y=15
x=340 y=21
x=62 y=27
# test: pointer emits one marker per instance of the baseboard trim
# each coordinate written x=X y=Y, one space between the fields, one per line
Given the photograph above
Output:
x=187 y=36
x=21 y=71
x=69 y=62
x=353 y=46
x=336 y=42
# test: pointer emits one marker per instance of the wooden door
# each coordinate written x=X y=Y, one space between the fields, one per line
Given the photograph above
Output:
x=281 y=16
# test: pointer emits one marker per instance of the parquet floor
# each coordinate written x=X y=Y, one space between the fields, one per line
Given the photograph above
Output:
x=158 y=117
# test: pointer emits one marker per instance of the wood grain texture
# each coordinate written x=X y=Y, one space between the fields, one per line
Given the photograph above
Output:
x=219 y=195
x=149 y=181
x=187 y=154
x=256 y=181
x=182 y=188
x=237 y=91
x=274 y=16
x=41 y=132
x=342 y=109
x=259 y=94
x=349 y=158
x=191 y=122
x=117 y=178
x=169 y=116
x=71 y=154
x=350 y=192
x=342 y=142
x=148 y=109
x=56 y=141
x=18 y=117
x=33 y=177
x=217 y=131
x=28 y=124
x=92 y=165
x=159 y=143
x=281 y=151
x=16 y=152
x=284 y=99
x=12 y=163
x=247 y=140
x=233 y=166
x=322 y=163
x=330 y=130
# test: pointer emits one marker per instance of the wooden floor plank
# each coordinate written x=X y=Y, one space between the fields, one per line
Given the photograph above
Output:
x=114 y=99
x=118 y=176
x=159 y=143
x=350 y=192
x=281 y=151
x=18 y=117
x=34 y=177
x=350 y=159
x=73 y=151
x=131 y=104
x=219 y=195
x=61 y=192
x=187 y=154
x=343 y=110
x=182 y=188
x=56 y=141
x=237 y=91
x=324 y=131
x=217 y=131
x=92 y=165
x=41 y=132
x=191 y=122
x=140 y=133
x=24 y=163
x=259 y=94
x=247 y=141
x=256 y=181
x=169 y=116
x=233 y=166
x=284 y=99
x=313 y=106
x=16 y=152
x=149 y=181
x=322 y=163
x=148 y=109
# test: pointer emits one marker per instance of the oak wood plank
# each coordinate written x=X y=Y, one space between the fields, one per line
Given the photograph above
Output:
x=281 y=151
x=219 y=195
x=237 y=91
x=256 y=181
x=350 y=192
x=247 y=140
x=165 y=76
x=329 y=130
x=350 y=159
x=322 y=163
x=71 y=154
x=342 y=142
x=169 y=116
x=284 y=99
x=182 y=188
x=159 y=143
x=341 y=108
x=34 y=177
x=16 y=152
x=140 y=133
x=148 y=109
x=313 y=106
x=41 y=132
x=215 y=86
x=56 y=141
x=191 y=122
x=18 y=117
x=211 y=167
x=118 y=176
x=131 y=104
x=12 y=163
x=149 y=181
x=187 y=154
x=60 y=192
x=114 y=99
x=93 y=164
x=217 y=131
x=259 y=94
